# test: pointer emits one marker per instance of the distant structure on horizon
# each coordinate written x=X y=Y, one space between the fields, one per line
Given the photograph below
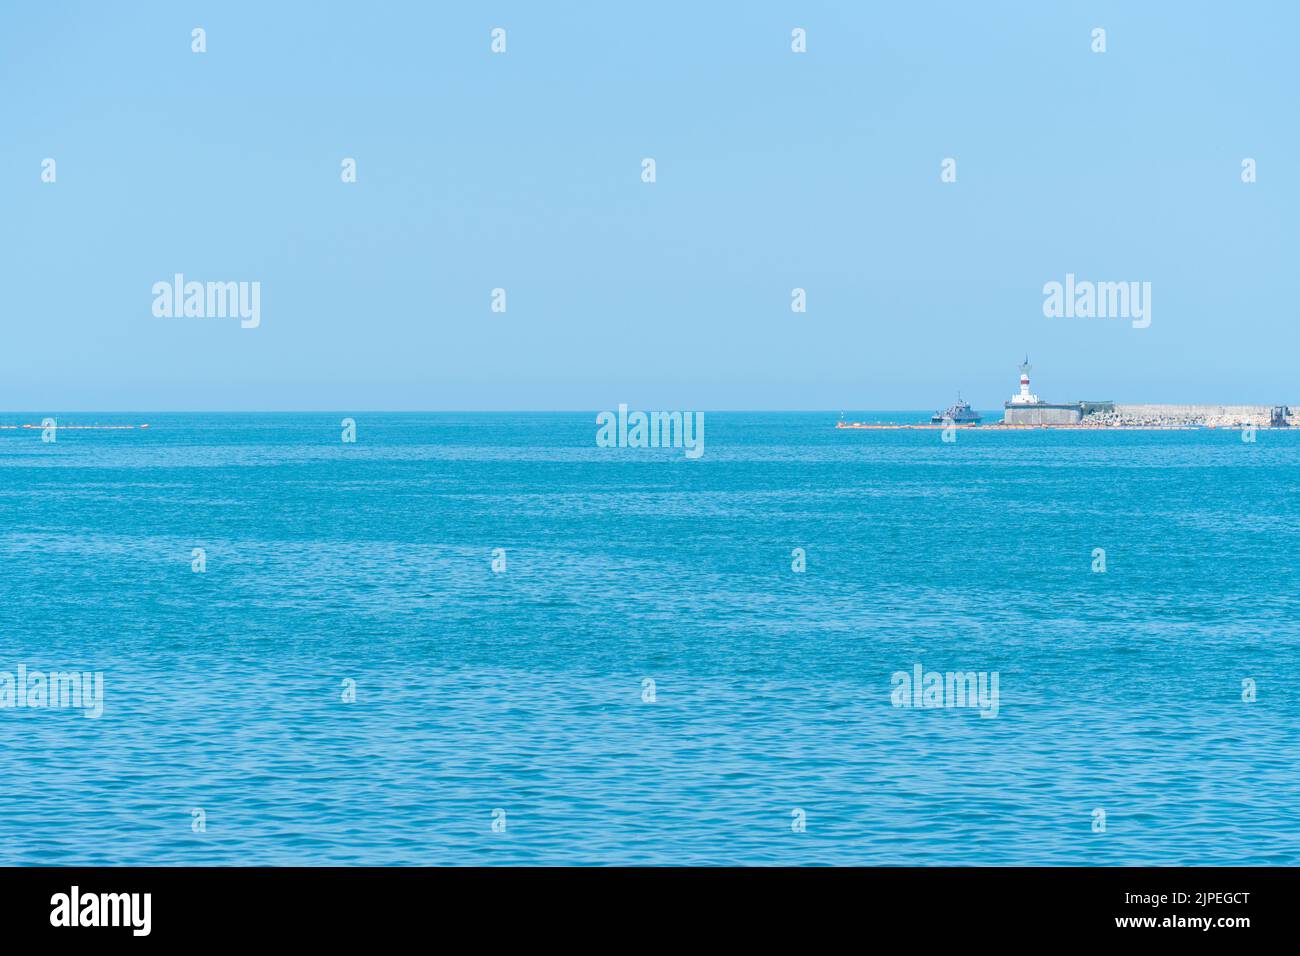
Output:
x=1026 y=408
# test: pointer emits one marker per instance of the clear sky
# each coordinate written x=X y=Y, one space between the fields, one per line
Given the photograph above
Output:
x=775 y=170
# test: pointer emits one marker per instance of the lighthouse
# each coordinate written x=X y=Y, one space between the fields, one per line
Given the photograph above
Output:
x=1026 y=408
x=1024 y=398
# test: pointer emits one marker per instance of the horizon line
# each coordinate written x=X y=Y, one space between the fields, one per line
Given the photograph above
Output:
x=544 y=411
x=442 y=411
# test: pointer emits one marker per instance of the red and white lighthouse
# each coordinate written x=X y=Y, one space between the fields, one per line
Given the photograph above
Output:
x=1025 y=397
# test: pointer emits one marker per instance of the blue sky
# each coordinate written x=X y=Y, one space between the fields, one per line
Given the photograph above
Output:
x=522 y=171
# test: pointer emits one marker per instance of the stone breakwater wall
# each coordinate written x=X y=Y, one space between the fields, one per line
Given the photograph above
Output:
x=1218 y=416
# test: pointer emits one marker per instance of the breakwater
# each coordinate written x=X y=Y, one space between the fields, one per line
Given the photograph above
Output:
x=1103 y=415
x=1206 y=416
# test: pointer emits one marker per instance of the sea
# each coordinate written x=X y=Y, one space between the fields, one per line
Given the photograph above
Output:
x=482 y=639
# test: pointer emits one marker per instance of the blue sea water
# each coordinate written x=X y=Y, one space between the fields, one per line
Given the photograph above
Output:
x=522 y=691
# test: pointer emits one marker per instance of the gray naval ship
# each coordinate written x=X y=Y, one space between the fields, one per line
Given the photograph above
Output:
x=959 y=414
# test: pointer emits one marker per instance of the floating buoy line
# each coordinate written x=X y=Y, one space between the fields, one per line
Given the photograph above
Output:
x=104 y=428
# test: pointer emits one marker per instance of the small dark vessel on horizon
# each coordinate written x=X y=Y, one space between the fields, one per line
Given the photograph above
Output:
x=959 y=414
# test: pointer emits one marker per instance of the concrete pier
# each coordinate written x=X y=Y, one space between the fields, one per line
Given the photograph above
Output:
x=1042 y=413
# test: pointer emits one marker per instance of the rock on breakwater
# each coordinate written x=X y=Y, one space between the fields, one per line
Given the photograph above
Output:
x=1211 y=416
